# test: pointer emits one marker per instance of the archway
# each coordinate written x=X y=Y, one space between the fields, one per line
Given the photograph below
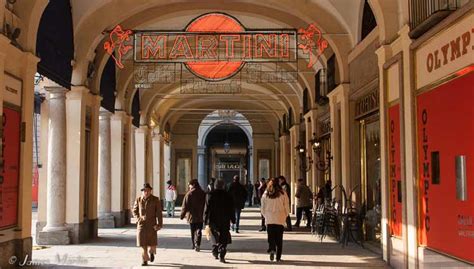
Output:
x=225 y=146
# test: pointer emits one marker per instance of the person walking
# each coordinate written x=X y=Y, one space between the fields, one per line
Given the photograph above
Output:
x=260 y=191
x=275 y=208
x=170 y=198
x=286 y=187
x=218 y=215
x=147 y=211
x=249 y=192
x=303 y=203
x=193 y=209
x=239 y=195
x=256 y=185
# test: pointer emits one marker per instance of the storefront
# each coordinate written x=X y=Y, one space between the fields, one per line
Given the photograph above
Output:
x=368 y=120
x=444 y=114
x=10 y=129
x=323 y=154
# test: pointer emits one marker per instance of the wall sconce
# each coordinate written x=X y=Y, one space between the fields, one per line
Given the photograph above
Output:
x=322 y=164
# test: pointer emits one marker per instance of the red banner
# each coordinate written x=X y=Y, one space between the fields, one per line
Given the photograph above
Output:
x=446 y=130
x=395 y=171
x=10 y=172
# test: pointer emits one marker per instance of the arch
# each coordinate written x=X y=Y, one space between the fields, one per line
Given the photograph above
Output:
x=368 y=21
x=390 y=15
x=204 y=131
x=55 y=43
x=108 y=86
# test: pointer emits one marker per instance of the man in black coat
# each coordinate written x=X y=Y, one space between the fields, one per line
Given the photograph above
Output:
x=239 y=196
x=218 y=215
x=192 y=209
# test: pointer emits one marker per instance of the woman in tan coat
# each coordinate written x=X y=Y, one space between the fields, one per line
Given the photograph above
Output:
x=147 y=211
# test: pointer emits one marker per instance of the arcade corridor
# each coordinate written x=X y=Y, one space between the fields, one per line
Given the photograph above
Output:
x=116 y=248
x=366 y=106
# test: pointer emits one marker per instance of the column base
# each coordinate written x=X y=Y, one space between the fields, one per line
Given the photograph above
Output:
x=107 y=221
x=120 y=219
x=19 y=248
x=53 y=238
x=79 y=232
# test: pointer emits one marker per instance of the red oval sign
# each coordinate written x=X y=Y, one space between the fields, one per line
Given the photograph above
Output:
x=218 y=23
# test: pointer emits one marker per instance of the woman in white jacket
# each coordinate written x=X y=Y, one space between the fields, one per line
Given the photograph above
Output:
x=275 y=209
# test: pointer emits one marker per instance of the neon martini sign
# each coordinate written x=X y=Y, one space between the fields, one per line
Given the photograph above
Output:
x=215 y=46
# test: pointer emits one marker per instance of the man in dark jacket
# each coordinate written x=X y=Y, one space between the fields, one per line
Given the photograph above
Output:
x=239 y=196
x=303 y=202
x=193 y=208
x=219 y=214
x=286 y=187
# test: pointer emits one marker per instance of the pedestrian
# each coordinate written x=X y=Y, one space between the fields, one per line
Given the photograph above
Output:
x=249 y=192
x=275 y=208
x=256 y=186
x=193 y=209
x=287 y=189
x=303 y=203
x=147 y=211
x=239 y=196
x=170 y=198
x=219 y=214
x=210 y=186
x=261 y=189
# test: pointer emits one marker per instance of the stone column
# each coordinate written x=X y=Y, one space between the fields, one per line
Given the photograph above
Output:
x=201 y=152
x=140 y=155
x=251 y=162
x=55 y=232
x=157 y=178
x=117 y=122
x=106 y=219
x=133 y=193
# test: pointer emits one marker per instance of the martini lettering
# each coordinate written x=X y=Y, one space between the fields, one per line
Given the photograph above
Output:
x=450 y=51
x=190 y=47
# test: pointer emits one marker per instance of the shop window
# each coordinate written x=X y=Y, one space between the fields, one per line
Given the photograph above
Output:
x=264 y=168
x=183 y=174
x=331 y=74
x=285 y=123
x=320 y=87
x=368 y=21
x=290 y=118
x=371 y=176
x=306 y=103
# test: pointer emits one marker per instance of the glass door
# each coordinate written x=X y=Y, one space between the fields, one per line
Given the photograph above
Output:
x=370 y=177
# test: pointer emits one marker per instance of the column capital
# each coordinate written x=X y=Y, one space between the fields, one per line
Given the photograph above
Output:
x=119 y=115
x=157 y=137
x=104 y=114
x=201 y=150
x=56 y=92
x=142 y=129
x=77 y=92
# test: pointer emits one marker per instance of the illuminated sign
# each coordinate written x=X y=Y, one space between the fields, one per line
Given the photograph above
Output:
x=215 y=46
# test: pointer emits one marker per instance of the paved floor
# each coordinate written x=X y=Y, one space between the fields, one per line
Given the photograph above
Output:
x=116 y=249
